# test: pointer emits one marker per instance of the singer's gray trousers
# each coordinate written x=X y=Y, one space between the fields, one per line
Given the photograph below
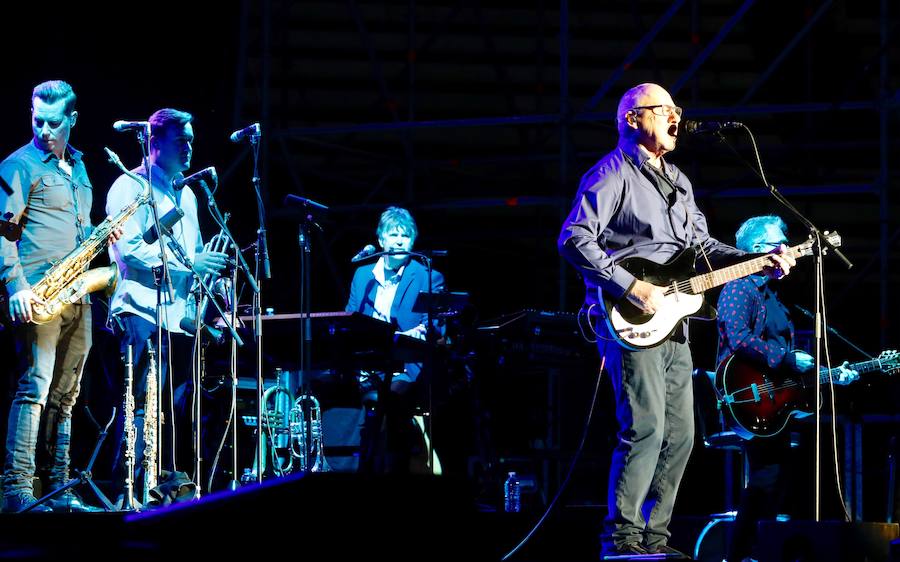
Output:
x=51 y=359
x=654 y=407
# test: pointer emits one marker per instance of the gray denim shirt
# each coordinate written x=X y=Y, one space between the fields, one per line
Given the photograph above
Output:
x=53 y=208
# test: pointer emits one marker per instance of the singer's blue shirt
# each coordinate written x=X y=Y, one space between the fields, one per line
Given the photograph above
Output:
x=624 y=207
x=53 y=207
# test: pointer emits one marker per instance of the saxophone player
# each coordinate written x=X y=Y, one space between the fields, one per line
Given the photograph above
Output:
x=134 y=303
x=45 y=187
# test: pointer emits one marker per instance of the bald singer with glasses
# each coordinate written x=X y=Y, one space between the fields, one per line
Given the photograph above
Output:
x=634 y=203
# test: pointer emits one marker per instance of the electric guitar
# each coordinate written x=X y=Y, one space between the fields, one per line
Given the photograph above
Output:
x=760 y=401
x=635 y=329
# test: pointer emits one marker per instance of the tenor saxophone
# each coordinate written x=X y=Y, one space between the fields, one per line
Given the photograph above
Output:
x=67 y=281
x=151 y=433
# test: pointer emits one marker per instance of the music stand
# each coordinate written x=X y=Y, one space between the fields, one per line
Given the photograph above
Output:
x=444 y=304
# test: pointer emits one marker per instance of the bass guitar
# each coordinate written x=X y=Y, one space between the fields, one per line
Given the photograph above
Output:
x=635 y=329
x=760 y=401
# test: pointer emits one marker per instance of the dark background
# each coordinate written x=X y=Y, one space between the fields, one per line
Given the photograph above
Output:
x=480 y=117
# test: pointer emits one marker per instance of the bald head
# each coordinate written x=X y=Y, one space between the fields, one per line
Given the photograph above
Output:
x=640 y=95
x=654 y=126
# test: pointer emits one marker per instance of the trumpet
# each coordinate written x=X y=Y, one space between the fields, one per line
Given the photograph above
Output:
x=221 y=287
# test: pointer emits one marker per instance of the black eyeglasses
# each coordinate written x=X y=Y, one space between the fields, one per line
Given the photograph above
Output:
x=662 y=110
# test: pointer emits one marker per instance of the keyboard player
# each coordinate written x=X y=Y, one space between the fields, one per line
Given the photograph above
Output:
x=387 y=290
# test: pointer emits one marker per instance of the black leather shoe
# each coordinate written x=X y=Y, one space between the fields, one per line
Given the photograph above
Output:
x=670 y=553
x=69 y=502
x=17 y=502
x=629 y=551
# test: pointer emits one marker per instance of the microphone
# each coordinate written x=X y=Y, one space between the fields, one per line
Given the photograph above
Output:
x=252 y=131
x=206 y=174
x=363 y=254
x=165 y=224
x=123 y=126
x=187 y=324
x=705 y=127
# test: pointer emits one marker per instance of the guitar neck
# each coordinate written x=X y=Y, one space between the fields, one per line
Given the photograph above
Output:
x=861 y=367
x=706 y=281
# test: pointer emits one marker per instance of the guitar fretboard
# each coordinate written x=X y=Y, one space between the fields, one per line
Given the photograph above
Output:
x=877 y=364
x=706 y=281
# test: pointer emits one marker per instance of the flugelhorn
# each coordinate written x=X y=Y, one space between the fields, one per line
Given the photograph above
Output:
x=294 y=431
x=307 y=436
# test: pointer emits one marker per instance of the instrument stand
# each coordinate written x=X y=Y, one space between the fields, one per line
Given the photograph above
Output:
x=84 y=476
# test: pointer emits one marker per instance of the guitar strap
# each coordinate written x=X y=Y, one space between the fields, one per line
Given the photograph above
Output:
x=669 y=191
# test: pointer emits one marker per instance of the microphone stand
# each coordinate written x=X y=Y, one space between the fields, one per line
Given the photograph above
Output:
x=251 y=280
x=307 y=219
x=163 y=283
x=864 y=353
x=182 y=256
x=819 y=249
x=262 y=263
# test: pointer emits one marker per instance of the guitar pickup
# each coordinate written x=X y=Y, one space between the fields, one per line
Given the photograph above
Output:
x=674 y=290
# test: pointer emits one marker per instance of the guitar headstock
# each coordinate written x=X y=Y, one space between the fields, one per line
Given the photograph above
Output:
x=889 y=361
x=806 y=248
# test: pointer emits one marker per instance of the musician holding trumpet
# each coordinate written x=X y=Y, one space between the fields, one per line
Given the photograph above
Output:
x=138 y=255
x=634 y=204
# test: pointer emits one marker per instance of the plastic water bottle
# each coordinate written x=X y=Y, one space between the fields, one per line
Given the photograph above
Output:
x=512 y=494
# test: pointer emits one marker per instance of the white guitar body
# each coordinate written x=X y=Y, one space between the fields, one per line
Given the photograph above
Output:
x=683 y=290
x=658 y=327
